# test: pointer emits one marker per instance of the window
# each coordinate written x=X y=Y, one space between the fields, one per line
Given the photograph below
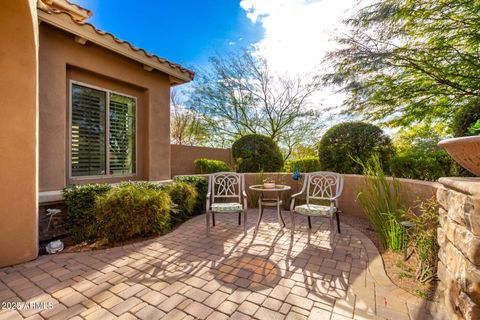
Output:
x=102 y=133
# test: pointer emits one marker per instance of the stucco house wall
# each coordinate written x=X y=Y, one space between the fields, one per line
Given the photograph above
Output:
x=18 y=131
x=61 y=60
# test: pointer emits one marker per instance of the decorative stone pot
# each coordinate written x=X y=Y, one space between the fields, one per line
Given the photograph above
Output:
x=464 y=150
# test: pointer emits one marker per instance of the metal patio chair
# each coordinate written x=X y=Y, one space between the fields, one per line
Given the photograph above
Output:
x=223 y=187
x=326 y=186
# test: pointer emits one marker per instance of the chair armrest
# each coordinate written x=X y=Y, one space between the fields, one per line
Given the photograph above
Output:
x=244 y=194
x=296 y=195
x=207 y=205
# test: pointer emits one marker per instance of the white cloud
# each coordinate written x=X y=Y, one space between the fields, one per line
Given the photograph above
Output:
x=298 y=33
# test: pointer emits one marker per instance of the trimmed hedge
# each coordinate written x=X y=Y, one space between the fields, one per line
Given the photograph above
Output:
x=256 y=153
x=205 y=166
x=130 y=211
x=201 y=185
x=184 y=195
x=81 y=216
x=308 y=164
x=425 y=166
x=343 y=143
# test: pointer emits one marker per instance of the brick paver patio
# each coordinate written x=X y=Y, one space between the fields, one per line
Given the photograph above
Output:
x=185 y=275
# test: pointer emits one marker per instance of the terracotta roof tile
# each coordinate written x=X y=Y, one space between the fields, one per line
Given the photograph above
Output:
x=84 y=24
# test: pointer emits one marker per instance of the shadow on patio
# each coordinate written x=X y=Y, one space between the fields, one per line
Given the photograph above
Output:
x=272 y=274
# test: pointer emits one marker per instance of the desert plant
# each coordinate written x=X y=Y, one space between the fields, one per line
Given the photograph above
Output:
x=309 y=164
x=201 y=185
x=131 y=210
x=255 y=153
x=423 y=237
x=184 y=195
x=345 y=142
x=80 y=202
x=381 y=201
x=205 y=166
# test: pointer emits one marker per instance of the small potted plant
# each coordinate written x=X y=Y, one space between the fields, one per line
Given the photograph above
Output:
x=268 y=183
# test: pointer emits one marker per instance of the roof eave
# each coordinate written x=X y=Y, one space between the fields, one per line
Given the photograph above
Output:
x=87 y=31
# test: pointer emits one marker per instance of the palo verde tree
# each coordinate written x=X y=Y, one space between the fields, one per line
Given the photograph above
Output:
x=241 y=95
x=186 y=126
x=409 y=61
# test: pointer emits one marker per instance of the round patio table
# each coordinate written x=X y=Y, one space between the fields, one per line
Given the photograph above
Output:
x=273 y=201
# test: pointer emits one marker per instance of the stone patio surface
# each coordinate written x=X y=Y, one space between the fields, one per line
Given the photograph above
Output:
x=185 y=275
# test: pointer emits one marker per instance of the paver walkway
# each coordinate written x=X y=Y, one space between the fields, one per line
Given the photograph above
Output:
x=185 y=275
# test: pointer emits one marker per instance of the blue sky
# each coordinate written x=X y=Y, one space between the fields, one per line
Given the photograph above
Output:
x=182 y=31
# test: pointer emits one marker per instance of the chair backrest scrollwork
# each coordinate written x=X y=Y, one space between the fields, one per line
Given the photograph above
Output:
x=226 y=185
x=323 y=185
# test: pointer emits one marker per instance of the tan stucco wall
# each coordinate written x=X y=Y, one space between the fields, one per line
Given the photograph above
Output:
x=412 y=191
x=183 y=157
x=62 y=59
x=18 y=131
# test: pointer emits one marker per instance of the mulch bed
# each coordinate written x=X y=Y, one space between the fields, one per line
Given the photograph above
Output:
x=402 y=273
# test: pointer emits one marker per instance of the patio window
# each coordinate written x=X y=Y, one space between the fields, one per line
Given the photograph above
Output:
x=103 y=137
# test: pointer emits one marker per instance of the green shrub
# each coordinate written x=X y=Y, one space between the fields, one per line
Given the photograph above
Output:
x=423 y=237
x=131 y=210
x=464 y=118
x=184 y=195
x=201 y=185
x=426 y=166
x=143 y=185
x=205 y=166
x=382 y=203
x=80 y=202
x=344 y=142
x=255 y=153
x=309 y=164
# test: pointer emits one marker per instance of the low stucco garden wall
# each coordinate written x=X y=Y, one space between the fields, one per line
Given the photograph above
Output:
x=182 y=157
x=412 y=190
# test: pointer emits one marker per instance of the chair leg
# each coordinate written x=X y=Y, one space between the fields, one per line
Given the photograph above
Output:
x=239 y=218
x=244 y=222
x=338 y=221
x=293 y=222
x=208 y=223
x=309 y=222
x=213 y=219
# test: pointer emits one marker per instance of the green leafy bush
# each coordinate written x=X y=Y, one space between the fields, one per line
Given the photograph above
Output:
x=382 y=203
x=131 y=210
x=309 y=164
x=423 y=237
x=344 y=142
x=184 y=195
x=201 y=185
x=205 y=166
x=423 y=166
x=143 y=185
x=81 y=218
x=464 y=118
x=255 y=153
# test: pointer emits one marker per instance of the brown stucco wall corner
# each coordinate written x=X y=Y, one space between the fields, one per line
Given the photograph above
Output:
x=18 y=132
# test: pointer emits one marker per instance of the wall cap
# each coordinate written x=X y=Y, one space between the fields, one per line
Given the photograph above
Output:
x=470 y=186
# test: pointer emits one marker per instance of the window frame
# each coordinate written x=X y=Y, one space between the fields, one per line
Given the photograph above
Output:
x=107 y=133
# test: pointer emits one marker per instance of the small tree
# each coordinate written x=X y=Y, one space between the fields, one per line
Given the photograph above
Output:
x=346 y=141
x=255 y=153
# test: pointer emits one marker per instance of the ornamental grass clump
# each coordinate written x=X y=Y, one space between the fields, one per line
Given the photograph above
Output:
x=129 y=211
x=423 y=238
x=381 y=201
